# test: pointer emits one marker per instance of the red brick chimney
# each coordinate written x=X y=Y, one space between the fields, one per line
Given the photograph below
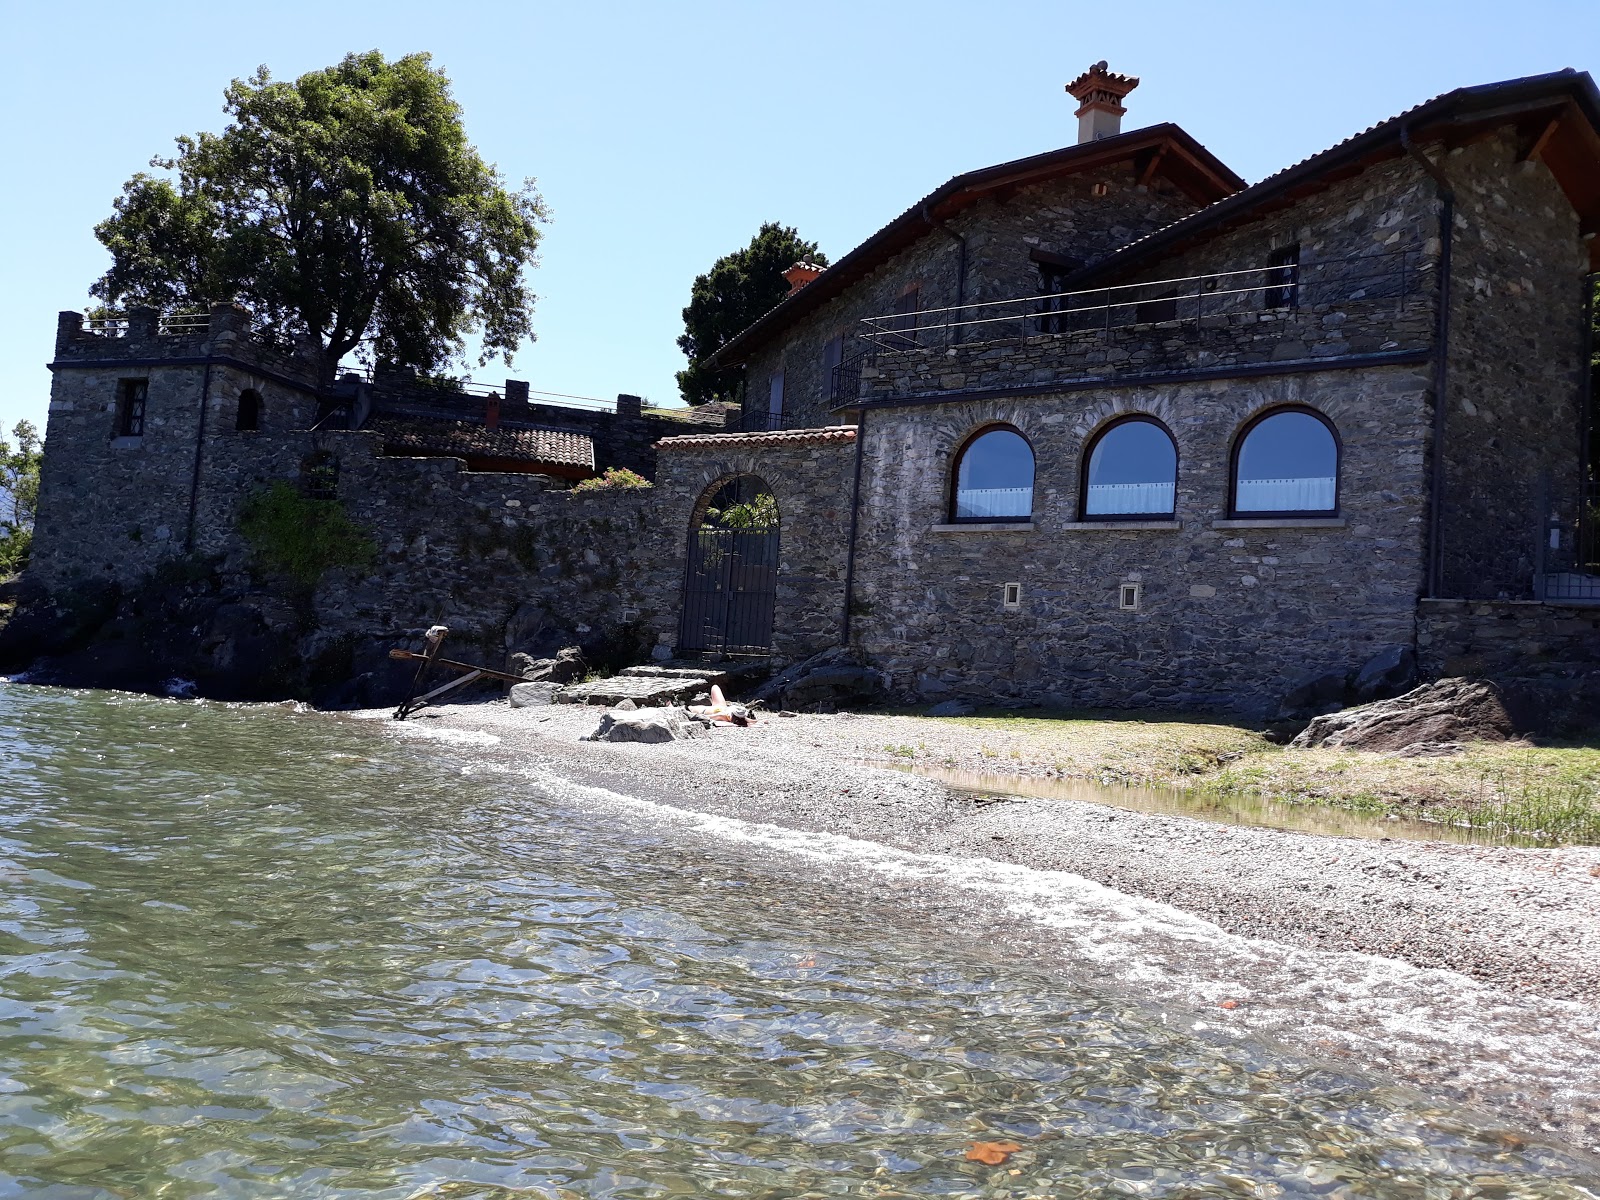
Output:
x=491 y=411
x=1100 y=93
x=801 y=274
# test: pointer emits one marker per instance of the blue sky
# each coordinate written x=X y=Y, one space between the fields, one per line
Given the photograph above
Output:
x=662 y=135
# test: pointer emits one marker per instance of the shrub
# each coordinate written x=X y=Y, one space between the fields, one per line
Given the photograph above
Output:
x=618 y=479
x=302 y=537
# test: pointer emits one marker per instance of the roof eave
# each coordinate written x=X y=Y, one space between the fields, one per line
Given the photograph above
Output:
x=1426 y=122
x=942 y=202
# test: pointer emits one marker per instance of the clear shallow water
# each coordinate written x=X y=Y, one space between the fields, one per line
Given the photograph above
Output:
x=249 y=952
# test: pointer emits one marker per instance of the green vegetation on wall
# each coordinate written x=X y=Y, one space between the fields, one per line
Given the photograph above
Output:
x=301 y=537
x=618 y=479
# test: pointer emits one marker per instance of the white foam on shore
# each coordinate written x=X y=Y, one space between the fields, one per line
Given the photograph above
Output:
x=458 y=737
x=1386 y=1012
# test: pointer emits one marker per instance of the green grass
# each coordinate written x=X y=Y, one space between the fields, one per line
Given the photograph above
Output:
x=1547 y=790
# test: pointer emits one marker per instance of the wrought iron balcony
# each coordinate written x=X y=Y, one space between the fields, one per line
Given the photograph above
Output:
x=1389 y=277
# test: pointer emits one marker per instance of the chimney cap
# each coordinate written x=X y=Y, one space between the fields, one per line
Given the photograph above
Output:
x=800 y=274
x=1101 y=87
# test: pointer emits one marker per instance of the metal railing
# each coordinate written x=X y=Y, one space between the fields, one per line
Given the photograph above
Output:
x=1568 y=561
x=1391 y=275
x=762 y=421
x=167 y=325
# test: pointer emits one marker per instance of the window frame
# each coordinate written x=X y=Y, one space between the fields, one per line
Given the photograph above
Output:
x=1088 y=453
x=1284 y=295
x=132 y=409
x=1234 y=514
x=254 y=402
x=953 y=485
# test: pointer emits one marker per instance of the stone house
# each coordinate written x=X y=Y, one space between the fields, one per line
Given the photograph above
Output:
x=1103 y=426
x=1143 y=436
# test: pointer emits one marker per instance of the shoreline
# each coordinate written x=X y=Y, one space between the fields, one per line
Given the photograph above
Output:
x=1469 y=971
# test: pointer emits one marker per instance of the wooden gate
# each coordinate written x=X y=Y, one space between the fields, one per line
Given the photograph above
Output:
x=730 y=591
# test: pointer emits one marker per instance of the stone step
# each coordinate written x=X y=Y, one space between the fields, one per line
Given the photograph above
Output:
x=645 y=691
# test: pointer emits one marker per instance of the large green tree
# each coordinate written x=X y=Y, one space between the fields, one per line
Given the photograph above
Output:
x=725 y=300
x=19 y=495
x=345 y=209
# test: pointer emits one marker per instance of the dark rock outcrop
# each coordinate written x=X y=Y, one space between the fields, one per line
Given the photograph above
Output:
x=824 y=681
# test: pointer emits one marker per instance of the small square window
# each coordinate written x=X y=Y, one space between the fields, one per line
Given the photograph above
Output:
x=1012 y=595
x=1129 y=597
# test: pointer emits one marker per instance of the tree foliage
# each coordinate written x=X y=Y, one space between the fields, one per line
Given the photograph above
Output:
x=19 y=495
x=345 y=208
x=727 y=299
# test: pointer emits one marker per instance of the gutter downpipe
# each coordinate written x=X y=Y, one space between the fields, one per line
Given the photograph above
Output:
x=1441 y=338
x=199 y=449
x=961 y=269
x=855 y=524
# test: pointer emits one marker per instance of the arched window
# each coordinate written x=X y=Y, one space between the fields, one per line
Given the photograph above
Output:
x=993 y=477
x=1286 y=464
x=248 y=419
x=1131 y=472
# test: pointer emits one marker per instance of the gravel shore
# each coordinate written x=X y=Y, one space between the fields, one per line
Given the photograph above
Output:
x=1472 y=972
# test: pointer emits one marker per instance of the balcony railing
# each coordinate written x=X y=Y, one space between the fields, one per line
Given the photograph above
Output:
x=1393 y=276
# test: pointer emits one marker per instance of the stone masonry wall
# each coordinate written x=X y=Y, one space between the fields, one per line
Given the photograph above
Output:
x=1223 y=340
x=1514 y=416
x=1063 y=216
x=1232 y=615
x=812 y=482
x=1547 y=656
x=112 y=508
x=492 y=555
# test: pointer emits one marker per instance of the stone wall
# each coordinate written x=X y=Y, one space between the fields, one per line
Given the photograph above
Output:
x=1232 y=614
x=1547 y=656
x=1212 y=342
x=492 y=555
x=1062 y=216
x=623 y=437
x=812 y=479
x=113 y=508
x=1514 y=418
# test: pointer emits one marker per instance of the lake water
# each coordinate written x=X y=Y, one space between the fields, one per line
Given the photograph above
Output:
x=248 y=951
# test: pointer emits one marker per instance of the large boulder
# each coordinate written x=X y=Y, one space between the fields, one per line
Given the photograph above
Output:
x=645 y=725
x=1449 y=710
x=1387 y=673
x=532 y=695
x=826 y=680
x=568 y=665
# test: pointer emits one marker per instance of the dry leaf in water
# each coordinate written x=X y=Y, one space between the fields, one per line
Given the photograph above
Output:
x=991 y=1153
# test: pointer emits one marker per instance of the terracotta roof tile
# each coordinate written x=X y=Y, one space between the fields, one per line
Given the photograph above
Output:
x=781 y=437
x=553 y=447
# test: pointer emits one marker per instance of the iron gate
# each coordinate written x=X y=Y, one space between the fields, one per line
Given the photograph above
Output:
x=730 y=591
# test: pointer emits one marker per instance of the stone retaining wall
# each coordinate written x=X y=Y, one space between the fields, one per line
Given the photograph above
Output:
x=1546 y=655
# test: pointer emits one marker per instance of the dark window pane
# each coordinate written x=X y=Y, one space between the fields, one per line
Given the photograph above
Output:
x=1289 y=462
x=1133 y=471
x=994 y=481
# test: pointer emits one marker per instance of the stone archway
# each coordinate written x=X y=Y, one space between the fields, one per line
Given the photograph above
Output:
x=731 y=586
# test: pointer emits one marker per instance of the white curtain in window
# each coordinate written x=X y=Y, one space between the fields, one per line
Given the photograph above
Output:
x=1133 y=499
x=994 y=502
x=1284 y=495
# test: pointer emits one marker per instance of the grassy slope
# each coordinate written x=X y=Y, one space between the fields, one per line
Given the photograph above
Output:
x=1551 y=786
